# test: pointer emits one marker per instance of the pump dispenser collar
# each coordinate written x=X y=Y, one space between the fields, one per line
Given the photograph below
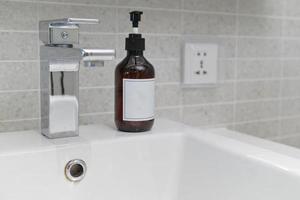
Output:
x=135 y=17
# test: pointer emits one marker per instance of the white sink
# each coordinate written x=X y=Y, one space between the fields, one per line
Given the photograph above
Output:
x=172 y=162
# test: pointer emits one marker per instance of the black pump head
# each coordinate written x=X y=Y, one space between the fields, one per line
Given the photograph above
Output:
x=135 y=42
x=135 y=17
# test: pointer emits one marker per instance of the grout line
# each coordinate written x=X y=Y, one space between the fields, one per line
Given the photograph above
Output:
x=267 y=58
x=256 y=121
x=173 y=84
x=17 y=61
x=291 y=78
x=267 y=119
x=168 y=107
x=117 y=60
x=208 y=104
x=261 y=100
x=18 y=31
x=163 y=108
x=222 y=125
x=95 y=113
x=155 y=59
x=97 y=87
x=18 y=120
x=213 y=126
x=39 y=75
x=181 y=115
x=112 y=86
x=235 y=65
x=153 y=34
x=179 y=84
x=112 y=112
x=280 y=114
x=18 y=91
x=282 y=137
x=258 y=80
x=177 y=59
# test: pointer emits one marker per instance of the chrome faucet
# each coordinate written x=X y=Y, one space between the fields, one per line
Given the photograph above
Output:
x=59 y=74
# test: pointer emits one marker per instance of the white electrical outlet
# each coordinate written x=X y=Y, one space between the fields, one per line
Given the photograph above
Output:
x=200 y=64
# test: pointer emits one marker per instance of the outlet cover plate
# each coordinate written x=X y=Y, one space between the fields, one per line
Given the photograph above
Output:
x=200 y=64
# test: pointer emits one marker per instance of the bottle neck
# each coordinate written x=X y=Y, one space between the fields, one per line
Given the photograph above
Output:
x=134 y=53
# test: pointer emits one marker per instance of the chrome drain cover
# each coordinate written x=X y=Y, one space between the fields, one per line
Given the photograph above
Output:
x=75 y=170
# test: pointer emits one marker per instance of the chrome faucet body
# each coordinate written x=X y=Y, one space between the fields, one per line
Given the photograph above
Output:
x=59 y=74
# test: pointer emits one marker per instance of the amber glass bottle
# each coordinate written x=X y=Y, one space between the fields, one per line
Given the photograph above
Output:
x=134 y=85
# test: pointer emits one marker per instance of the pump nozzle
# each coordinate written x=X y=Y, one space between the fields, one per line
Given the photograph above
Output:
x=135 y=17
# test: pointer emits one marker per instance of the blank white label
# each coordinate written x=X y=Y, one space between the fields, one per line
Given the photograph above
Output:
x=138 y=99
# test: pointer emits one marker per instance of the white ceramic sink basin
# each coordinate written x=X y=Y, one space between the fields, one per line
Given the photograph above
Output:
x=172 y=162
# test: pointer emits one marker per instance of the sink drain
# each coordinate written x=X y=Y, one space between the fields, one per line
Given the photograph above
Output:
x=75 y=170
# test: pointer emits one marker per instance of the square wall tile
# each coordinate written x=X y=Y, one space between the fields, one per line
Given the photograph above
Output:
x=291 y=48
x=290 y=107
x=292 y=8
x=18 y=16
x=226 y=70
x=259 y=26
x=262 y=7
x=85 y=2
x=208 y=24
x=167 y=4
x=293 y=140
x=101 y=41
x=251 y=90
x=211 y=5
x=262 y=129
x=207 y=115
x=19 y=125
x=260 y=110
x=167 y=95
x=291 y=28
x=96 y=100
x=290 y=88
x=169 y=113
x=221 y=93
x=258 y=69
x=104 y=118
x=19 y=105
x=19 y=75
x=166 y=71
x=258 y=48
x=290 y=126
x=291 y=68
x=97 y=76
x=18 y=46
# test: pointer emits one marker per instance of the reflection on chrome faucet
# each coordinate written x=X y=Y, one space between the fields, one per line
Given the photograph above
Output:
x=59 y=74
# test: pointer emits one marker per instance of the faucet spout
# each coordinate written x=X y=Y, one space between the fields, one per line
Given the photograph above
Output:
x=96 y=57
x=98 y=54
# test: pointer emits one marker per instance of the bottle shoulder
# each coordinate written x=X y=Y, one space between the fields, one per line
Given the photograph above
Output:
x=134 y=65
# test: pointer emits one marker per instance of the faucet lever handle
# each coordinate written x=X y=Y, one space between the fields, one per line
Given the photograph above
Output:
x=72 y=21
x=62 y=31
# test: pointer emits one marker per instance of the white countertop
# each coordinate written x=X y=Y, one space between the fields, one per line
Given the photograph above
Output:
x=28 y=141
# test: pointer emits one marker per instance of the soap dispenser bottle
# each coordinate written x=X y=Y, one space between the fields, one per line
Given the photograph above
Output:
x=134 y=84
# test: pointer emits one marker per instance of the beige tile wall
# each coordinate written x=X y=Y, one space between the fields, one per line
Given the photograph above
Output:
x=259 y=60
